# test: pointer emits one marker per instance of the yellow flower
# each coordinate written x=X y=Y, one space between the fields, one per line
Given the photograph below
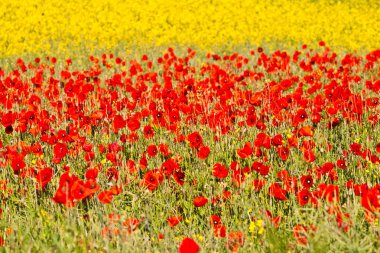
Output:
x=64 y=27
x=252 y=227
x=256 y=225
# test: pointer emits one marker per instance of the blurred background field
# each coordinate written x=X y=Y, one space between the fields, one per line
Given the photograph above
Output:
x=66 y=27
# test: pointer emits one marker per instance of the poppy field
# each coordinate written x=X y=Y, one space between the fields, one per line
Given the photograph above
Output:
x=260 y=151
x=135 y=130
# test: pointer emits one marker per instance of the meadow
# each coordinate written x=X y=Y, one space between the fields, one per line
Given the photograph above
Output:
x=144 y=126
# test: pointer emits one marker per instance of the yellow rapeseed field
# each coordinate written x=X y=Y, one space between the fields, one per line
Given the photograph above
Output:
x=59 y=26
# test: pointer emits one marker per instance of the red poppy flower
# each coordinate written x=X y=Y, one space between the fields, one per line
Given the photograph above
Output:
x=119 y=122
x=169 y=167
x=378 y=148
x=159 y=118
x=235 y=240
x=300 y=117
x=133 y=137
x=133 y=124
x=286 y=84
x=283 y=152
x=341 y=164
x=131 y=224
x=308 y=155
x=195 y=140
x=179 y=177
x=152 y=150
x=105 y=197
x=283 y=175
x=174 y=220
x=115 y=190
x=326 y=167
x=219 y=171
x=80 y=191
x=200 y=201
x=164 y=149
x=131 y=165
x=258 y=184
x=60 y=150
x=188 y=245
x=260 y=168
x=293 y=141
x=303 y=197
x=246 y=151
x=238 y=177
x=63 y=193
x=329 y=192
x=360 y=189
x=220 y=231
x=215 y=221
x=277 y=140
x=18 y=164
x=2 y=241
x=91 y=173
x=251 y=120
x=306 y=131
x=112 y=173
x=356 y=148
x=371 y=199
x=277 y=192
x=174 y=116
x=36 y=148
x=262 y=140
x=226 y=195
x=44 y=176
x=89 y=156
x=112 y=158
x=179 y=138
x=203 y=152
x=92 y=186
x=61 y=197
x=148 y=132
x=372 y=102
x=152 y=179
x=8 y=119
x=143 y=163
x=307 y=181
